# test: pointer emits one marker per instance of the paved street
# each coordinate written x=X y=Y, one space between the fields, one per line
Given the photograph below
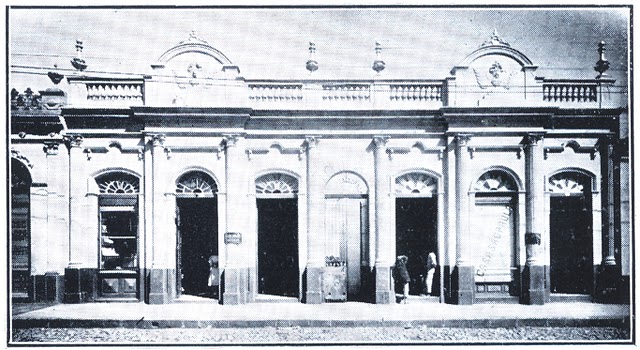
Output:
x=322 y=335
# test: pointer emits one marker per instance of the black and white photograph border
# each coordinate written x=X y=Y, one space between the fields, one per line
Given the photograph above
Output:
x=345 y=174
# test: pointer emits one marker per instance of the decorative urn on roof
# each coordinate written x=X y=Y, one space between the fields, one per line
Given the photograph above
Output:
x=312 y=64
x=378 y=64
x=77 y=62
x=603 y=64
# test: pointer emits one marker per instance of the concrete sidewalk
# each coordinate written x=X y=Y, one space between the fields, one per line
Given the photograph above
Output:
x=350 y=314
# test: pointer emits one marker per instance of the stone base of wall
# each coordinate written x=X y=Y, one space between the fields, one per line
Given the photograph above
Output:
x=608 y=286
x=47 y=288
x=160 y=286
x=533 y=285
x=312 y=286
x=235 y=286
x=462 y=285
x=80 y=285
x=384 y=293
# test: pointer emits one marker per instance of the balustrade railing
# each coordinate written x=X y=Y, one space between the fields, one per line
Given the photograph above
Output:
x=121 y=92
x=346 y=92
x=570 y=92
x=415 y=92
x=275 y=92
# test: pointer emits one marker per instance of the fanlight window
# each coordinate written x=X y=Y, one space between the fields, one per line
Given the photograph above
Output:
x=196 y=182
x=416 y=183
x=118 y=183
x=276 y=184
x=495 y=181
x=566 y=184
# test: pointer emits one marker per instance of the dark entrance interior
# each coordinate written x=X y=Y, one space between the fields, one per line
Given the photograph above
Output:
x=278 y=272
x=416 y=236
x=571 y=269
x=197 y=242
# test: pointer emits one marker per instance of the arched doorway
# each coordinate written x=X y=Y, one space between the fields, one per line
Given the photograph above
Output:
x=493 y=231
x=118 y=275
x=417 y=229
x=346 y=234
x=197 y=253
x=570 y=236
x=277 y=202
x=20 y=230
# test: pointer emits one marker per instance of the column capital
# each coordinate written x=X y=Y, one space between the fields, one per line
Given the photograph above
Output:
x=311 y=141
x=51 y=147
x=606 y=140
x=157 y=139
x=73 y=141
x=230 y=140
x=532 y=139
x=380 y=140
x=462 y=139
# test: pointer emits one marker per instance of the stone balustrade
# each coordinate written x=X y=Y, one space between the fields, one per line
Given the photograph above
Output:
x=346 y=92
x=577 y=91
x=275 y=92
x=343 y=94
x=416 y=92
x=120 y=93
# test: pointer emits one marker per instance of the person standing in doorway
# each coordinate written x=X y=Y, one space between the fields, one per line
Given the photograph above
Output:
x=401 y=276
x=430 y=266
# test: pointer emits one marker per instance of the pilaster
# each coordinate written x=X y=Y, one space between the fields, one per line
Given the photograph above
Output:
x=162 y=282
x=235 y=275
x=533 y=276
x=315 y=224
x=608 y=273
x=462 y=277
x=384 y=260
x=80 y=276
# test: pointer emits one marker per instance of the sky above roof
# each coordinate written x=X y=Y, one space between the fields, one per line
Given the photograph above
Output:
x=272 y=43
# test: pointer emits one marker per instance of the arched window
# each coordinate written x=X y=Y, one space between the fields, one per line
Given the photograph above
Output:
x=118 y=210
x=495 y=181
x=416 y=184
x=276 y=184
x=196 y=184
x=569 y=184
x=118 y=183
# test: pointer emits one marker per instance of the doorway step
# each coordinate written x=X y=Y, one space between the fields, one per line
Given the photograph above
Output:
x=194 y=299
x=268 y=298
x=496 y=299
x=570 y=298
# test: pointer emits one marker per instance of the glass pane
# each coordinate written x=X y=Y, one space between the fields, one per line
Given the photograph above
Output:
x=119 y=240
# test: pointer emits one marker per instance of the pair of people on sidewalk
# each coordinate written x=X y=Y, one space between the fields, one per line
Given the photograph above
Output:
x=402 y=278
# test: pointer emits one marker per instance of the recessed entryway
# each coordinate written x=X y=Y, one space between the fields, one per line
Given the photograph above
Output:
x=278 y=271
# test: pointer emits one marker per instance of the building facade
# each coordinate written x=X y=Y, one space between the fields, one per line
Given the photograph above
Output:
x=193 y=180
